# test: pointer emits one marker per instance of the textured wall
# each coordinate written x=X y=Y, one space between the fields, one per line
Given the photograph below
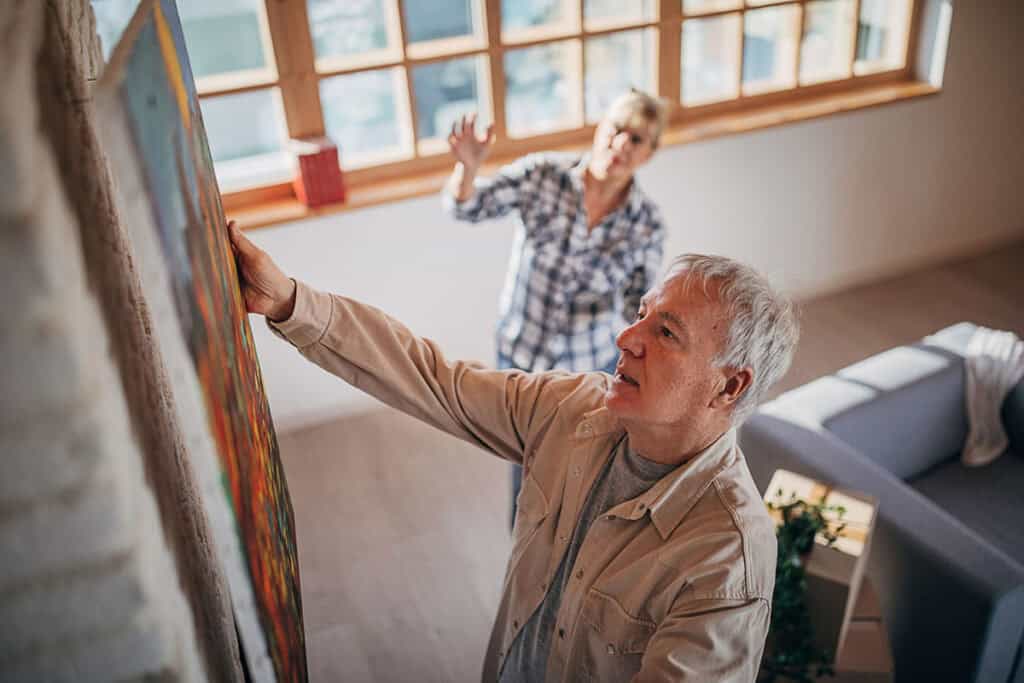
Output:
x=71 y=56
x=90 y=587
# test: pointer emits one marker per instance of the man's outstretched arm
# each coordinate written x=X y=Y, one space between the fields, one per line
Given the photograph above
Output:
x=497 y=410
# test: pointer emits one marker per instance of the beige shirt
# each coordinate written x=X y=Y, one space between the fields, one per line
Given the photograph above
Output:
x=674 y=585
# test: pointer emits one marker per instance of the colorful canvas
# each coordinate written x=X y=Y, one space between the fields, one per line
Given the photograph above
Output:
x=149 y=107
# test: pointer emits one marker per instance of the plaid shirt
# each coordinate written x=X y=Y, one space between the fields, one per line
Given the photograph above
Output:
x=569 y=290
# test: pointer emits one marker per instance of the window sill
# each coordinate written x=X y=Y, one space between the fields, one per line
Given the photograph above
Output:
x=276 y=204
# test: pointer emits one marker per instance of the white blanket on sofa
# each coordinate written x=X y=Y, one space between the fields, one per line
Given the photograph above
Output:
x=995 y=363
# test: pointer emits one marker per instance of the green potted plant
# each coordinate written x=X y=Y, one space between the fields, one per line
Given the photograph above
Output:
x=791 y=653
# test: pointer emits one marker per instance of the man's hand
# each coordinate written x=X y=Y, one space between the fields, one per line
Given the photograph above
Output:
x=466 y=146
x=265 y=288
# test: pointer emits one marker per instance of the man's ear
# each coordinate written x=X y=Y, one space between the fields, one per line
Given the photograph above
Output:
x=737 y=383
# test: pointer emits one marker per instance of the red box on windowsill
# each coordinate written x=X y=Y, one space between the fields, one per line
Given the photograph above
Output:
x=318 y=179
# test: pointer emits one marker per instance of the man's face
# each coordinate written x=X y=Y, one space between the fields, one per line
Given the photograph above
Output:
x=622 y=144
x=665 y=375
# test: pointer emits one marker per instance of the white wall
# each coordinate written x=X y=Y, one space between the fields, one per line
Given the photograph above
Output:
x=817 y=206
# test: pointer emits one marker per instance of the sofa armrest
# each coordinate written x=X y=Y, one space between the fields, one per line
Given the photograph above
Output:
x=954 y=604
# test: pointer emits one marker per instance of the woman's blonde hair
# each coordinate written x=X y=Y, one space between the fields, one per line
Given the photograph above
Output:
x=636 y=108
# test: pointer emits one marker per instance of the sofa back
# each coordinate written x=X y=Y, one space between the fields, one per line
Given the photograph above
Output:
x=902 y=408
x=915 y=420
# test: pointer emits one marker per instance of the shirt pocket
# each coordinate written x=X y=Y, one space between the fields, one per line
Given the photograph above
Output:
x=612 y=642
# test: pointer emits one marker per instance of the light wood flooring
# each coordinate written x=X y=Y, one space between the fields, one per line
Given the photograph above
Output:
x=403 y=532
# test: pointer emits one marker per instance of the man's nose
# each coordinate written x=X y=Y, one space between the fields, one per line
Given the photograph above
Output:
x=630 y=340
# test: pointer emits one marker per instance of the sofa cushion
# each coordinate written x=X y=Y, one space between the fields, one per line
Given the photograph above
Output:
x=915 y=419
x=987 y=499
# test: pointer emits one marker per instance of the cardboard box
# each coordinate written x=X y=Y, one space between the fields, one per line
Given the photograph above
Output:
x=834 y=574
x=865 y=655
x=318 y=179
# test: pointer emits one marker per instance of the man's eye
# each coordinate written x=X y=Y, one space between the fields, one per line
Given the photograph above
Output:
x=665 y=332
x=636 y=139
x=639 y=315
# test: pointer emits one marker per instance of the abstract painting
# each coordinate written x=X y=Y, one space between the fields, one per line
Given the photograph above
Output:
x=153 y=132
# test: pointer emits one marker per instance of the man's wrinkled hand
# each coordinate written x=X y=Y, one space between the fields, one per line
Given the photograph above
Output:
x=265 y=288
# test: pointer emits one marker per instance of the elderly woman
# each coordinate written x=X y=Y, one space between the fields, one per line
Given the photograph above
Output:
x=588 y=241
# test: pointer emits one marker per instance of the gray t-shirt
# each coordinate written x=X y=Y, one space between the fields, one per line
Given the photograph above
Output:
x=626 y=475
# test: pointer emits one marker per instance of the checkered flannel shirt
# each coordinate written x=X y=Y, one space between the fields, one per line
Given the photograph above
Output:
x=568 y=291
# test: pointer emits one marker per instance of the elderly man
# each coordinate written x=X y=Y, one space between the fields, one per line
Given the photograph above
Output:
x=588 y=240
x=642 y=550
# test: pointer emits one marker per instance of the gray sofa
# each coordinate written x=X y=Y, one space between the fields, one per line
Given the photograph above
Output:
x=947 y=557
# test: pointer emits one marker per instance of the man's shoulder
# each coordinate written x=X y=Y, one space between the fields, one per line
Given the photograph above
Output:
x=573 y=394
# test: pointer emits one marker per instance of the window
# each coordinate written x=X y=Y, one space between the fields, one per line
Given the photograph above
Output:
x=229 y=49
x=386 y=79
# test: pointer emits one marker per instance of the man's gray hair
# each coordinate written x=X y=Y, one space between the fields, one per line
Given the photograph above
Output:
x=763 y=328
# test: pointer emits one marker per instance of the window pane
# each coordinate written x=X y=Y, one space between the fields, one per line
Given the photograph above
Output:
x=828 y=40
x=769 y=48
x=599 y=13
x=112 y=17
x=439 y=19
x=711 y=59
x=352 y=30
x=542 y=88
x=224 y=36
x=705 y=6
x=882 y=34
x=444 y=92
x=247 y=138
x=521 y=19
x=614 y=64
x=365 y=114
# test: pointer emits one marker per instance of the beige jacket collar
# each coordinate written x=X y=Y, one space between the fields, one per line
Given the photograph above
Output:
x=669 y=500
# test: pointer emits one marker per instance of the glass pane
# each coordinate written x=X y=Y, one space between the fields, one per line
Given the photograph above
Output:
x=365 y=114
x=769 y=48
x=542 y=88
x=705 y=6
x=521 y=19
x=600 y=13
x=711 y=59
x=828 y=41
x=882 y=34
x=346 y=29
x=439 y=19
x=224 y=36
x=247 y=138
x=112 y=17
x=615 y=63
x=447 y=90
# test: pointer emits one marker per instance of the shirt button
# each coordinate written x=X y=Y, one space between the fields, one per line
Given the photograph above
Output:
x=579 y=574
x=515 y=624
x=561 y=633
x=563 y=538
x=611 y=649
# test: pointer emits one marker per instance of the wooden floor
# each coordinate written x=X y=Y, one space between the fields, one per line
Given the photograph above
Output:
x=403 y=534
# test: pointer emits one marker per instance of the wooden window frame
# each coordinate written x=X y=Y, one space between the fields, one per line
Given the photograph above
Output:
x=298 y=80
